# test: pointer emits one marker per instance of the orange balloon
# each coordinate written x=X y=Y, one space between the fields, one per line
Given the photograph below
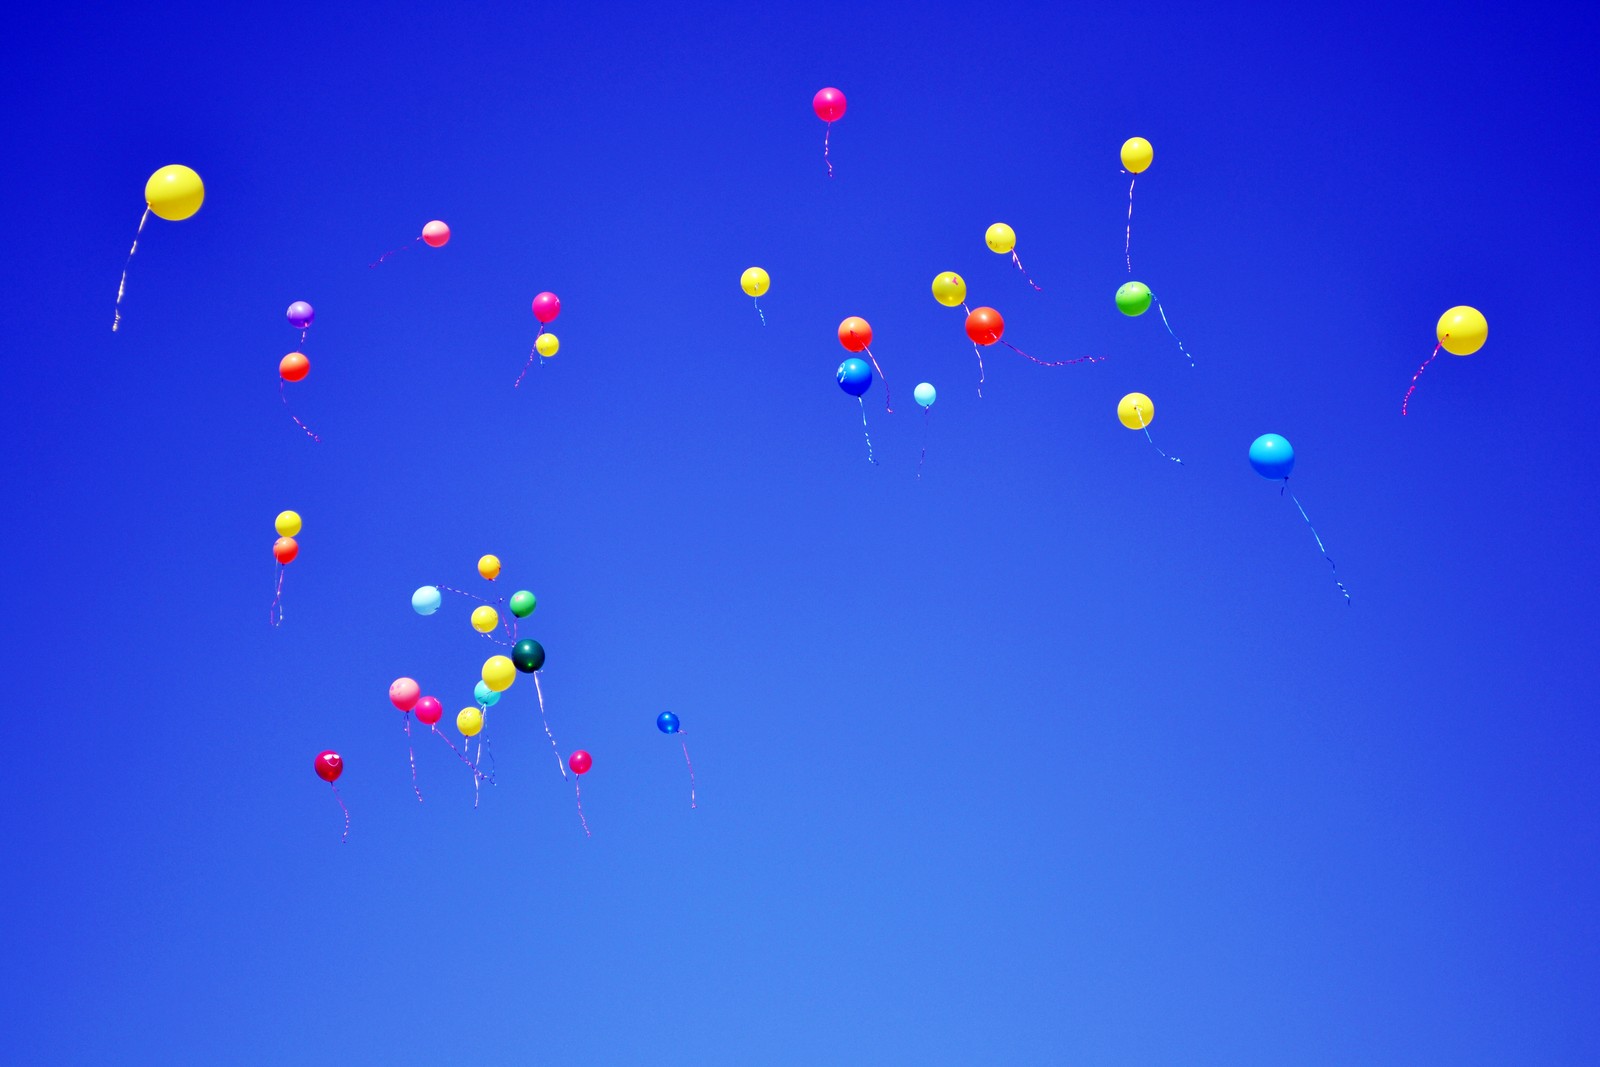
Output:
x=284 y=549
x=855 y=334
x=293 y=367
x=985 y=326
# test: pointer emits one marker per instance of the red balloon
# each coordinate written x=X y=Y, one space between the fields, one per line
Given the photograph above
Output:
x=329 y=765
x=436 y=234
x=428 y=710
x=855 y=334
x=404 y=693
x=546 y=306
x=985 y=325
x=828 y=104
x=580 y=762
x=293 y=367
x=285 y=549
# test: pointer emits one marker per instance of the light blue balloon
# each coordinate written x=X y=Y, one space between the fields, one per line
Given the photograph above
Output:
x=1272 y=456
x=484 y=695
x=426 y=601
x=925 y=394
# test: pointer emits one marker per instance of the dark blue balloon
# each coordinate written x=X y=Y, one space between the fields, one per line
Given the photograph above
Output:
x=1272 y=456
x=667 y=722
x=855 y=377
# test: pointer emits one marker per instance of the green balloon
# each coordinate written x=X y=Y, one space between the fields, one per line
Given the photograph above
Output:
x=523 y=603
x=528 y=655
x=1133 y=298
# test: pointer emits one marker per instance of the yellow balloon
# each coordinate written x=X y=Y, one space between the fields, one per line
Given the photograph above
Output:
x=1135 y=411
x=755 y=282
x=1462 y=330
x=287 y=523
x=498 y=673
x=469 y=721
x=489 y=567
x=174 y=192
x=949 y=289
x=547 y=345
x=1000 y=238
x=1136 y=155
x=484 y=618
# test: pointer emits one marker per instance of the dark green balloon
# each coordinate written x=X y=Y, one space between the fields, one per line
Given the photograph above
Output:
x=523 y=603
x=528 y=655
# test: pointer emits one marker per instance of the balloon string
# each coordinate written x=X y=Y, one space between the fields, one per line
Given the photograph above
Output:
x=122 y=286
x=826 y=134
x=1404 y=404
x=1054 y=363
x=285 y=398
x=344 y=809
x=865 y=432
x=463 y=592
x=275 y=613
x=1315 y=536
x=577 y=790
x=477 y=761
x=763 y=314
x=533 y=354
x=391 y=252
x=459 y=755
x=920 y=459
x=1168 y=325
x=1139 y=410
x=302 y=340
x=560 y=763
x=690 y=762
x=1127 y=240
x=881 y=377
x=1018 y=262
x=411 y=754
x=977 y=352
x=502 y=644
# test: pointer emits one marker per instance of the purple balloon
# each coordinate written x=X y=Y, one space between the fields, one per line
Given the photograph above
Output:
x=300 y=314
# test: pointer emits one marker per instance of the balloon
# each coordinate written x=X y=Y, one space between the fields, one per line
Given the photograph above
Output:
x=174 y=192
x=1272 y=456
x=925 y=394
x=1462 y=330
x=546 y=306
x=469 y=721
x=855 y=334
x=329 y=765
x=580 y=762
x=985 y=325
x=754 y=281
x=498 y=673
x=404 y=693
x=294 y=367
x=489 y=567
x=436 y=234
x=426 y=600
x=949 y=289
x=1133 y=298
x=667 y=722
x=523 y=603
x=287 y=523
x=1000 y=238
x=284 y=549
x=428 y=710
x=1135 y=411
x=855 y=377
x=300 y=314
x=484 y=618
x=1136 y=155
x=828 y=104
x=527 y=655
x=484 y=695
x=546 y=345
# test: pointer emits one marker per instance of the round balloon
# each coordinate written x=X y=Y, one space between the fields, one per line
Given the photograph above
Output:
x=1135 y=411
x=828 y=104
x=1272 y=456
x=489 y=567
x=1000 y=238
x=754 y=281
x=484 y=618
x=329 y=765
x=484 y=695
x=1136 y=155
x=404 y=693
x=436 y=234
x=1133 y=298
x=855 y=377
x=294 y=367
x=984 y=325
x=498 y=673
x=426 y=600
x=546 y=306
x=429 y=710
x=523 y=603
x=527 y=655
x=469 y=721
x=300 y=314
x=855 y=334
x=287 y=523
x=284 y=549
x=949 y=289
x=174 y=192
x=547 y=345
x=667 y=722
x=1462 y=330
x=580 y=762
x=925 y=395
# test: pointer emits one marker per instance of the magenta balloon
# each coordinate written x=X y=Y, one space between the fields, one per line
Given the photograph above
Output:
x=300 y=314
x=546 y=306
x=828 y=104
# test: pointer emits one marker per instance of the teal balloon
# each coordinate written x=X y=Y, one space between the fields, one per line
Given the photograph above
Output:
x=1133 y=298
x=925 y=394
x=426 y=601
x=484 y=695
x=528 y=655
x=1272 y=456
x=523 y=603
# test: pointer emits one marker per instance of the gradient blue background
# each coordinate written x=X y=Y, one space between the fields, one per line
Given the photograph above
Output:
x=1062 y=754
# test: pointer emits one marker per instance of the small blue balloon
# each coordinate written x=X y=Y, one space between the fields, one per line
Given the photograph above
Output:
x=855 y=377
x=484 y=695
x=1272 y=456
x=426 y=601
x=925 y=394
x=667 y=722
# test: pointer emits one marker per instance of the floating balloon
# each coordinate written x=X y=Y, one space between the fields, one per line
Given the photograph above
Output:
x=429 y=710
x=1461 y=331
x=499 y=673
x=1002 y=239
x=1136 y=412
x=329 y=765
x=855 y=378
x=287 y=523
x=489 y=567
x=547 y=345
x=755 y=282
x=300 y=315
x=284 y=550
x=1273 y=458
x=924 y=394
x=523 y=603
x=404 y=693
x=1135 y=298
x=173 y=193
x=1136 y=156
x=293 y=368
x=950 y=289
x=580 y=762
x=829 y=106
x=855 y=334
x=528 y=655
x=469 y=721
x=434 y=234
x=546 y=306
x=985 y=327
x=426 y=600
x=667 y=723
x=484 y=618
x=484 y=695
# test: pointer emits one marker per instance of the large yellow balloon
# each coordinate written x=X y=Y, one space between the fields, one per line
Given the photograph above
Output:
x=755 y=282
x=1000 y=238
x=1136 y=155
x=1462 y=330
x=469 y=721
x=174 y=192
x=950 y=289
x=498 y=673
x=489 y=567
x=547 y=345
x=1135 y=411
x=287 y=523
x=484 y=618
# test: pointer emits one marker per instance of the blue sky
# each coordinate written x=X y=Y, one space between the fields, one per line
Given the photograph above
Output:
x=1061 y=754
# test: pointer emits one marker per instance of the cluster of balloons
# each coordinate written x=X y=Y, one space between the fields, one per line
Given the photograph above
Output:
x=295 y=366
x=284 y=550
x=546 y=306
x=407 y=697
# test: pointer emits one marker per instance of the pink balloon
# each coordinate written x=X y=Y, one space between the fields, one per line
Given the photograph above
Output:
x=436 y=234
x=429 y=709
x=404 y=693
x=546 y=306
x=828 y=104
